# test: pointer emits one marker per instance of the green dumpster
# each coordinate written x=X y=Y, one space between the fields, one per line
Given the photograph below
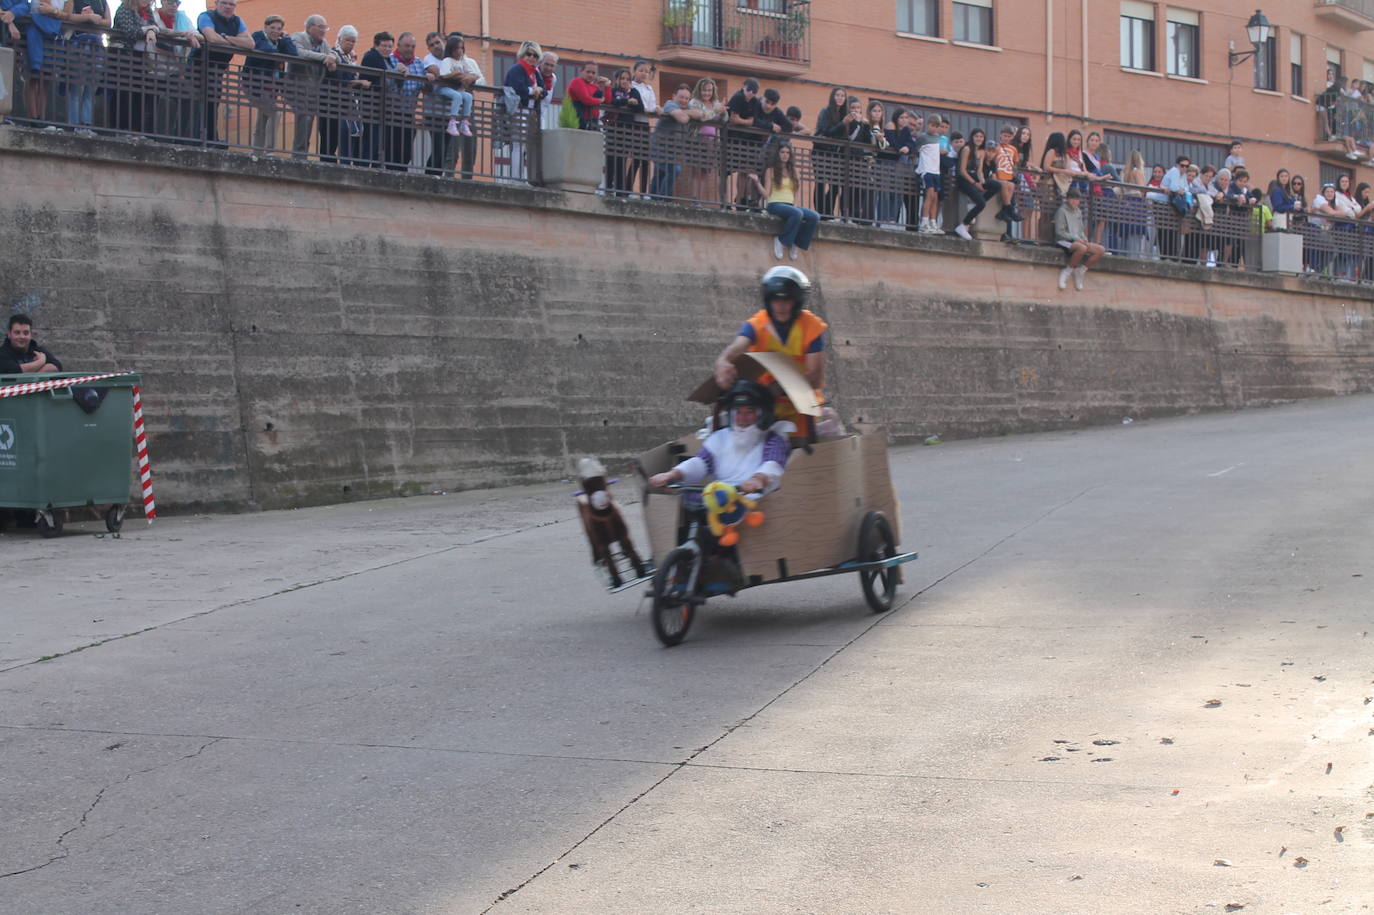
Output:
x=55 y=455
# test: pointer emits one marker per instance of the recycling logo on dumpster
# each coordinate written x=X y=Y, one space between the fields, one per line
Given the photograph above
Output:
x=7 y=456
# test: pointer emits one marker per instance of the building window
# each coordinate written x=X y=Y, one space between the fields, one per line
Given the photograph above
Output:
x=1295 y=64
x=973 y=21
x=918 y=17
x=1266 y=65
x=1331 y=174
x=1137 y=35
x=1334 y=70
x=767 y=6
x=1183 y=44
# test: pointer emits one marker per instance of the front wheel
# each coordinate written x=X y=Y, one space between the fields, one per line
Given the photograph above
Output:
x=673 y=608
x=114 y=518
x=875 y=544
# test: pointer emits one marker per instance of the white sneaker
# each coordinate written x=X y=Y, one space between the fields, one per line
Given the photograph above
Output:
x=1078 y=274
x=777 y=248
x=794 y=253
x=962 y=231
x=1064 y=277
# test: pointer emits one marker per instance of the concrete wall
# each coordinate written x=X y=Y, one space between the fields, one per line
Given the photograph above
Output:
x=310 y=333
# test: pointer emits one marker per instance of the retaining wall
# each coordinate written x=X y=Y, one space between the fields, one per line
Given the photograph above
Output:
x=310 y=333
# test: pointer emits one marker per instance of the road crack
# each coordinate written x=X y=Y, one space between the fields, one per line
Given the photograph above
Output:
x=62 y=850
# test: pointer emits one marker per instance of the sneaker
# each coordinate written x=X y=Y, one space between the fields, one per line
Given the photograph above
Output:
x=1064 y=277
x=1003 y=215
x=84 y=132
x=1078 y=274
x=452 y=127
x=794 y=253
x=777 y=248
x=465 y=127
x=1015 y=216
x=962 y=231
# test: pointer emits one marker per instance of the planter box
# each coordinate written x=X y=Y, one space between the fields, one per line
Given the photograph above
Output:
x=572 y=159
x=1281 y=252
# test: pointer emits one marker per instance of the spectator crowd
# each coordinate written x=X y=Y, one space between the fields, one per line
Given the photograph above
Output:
x=857 y=161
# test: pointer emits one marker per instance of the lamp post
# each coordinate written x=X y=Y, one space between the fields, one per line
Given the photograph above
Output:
x=1257 y=30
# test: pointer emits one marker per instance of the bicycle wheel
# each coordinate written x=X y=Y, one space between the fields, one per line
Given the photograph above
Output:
x=875 y=543
x=672 y=611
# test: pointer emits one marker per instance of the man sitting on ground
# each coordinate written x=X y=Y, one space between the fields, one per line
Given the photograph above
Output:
x=1070 y=235
x=20 y=354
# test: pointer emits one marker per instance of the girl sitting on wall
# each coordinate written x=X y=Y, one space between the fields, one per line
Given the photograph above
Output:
x=779 y=189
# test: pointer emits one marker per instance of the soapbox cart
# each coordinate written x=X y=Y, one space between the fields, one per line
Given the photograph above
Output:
x=835 y=513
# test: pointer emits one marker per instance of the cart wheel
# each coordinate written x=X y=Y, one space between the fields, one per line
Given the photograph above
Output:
x=876 y=542
x=55 y=528
x=672 y=612
x=114 y=518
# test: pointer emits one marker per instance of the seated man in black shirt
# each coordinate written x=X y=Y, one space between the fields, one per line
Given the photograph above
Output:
x=20 y=354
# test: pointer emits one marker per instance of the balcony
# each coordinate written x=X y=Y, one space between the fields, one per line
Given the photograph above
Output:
x=1354 y=14
x=754 y=37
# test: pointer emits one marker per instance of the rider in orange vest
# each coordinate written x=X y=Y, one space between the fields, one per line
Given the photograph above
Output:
x=783 y=325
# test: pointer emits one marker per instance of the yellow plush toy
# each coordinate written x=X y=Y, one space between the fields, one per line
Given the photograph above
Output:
x=725 y=509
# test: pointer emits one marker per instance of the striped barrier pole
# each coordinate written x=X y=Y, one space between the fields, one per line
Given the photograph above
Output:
x=145 y=472
x=35 y=387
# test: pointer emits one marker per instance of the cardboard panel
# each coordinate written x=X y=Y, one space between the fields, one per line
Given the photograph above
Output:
x=811 y=522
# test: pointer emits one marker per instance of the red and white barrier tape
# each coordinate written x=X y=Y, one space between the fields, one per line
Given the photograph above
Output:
x=145 y=473
x=35 y=387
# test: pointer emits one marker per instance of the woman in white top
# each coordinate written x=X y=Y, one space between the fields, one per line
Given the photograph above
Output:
x=642 y=71
x=779 y=188
x=1317 y=246
x=459 y=99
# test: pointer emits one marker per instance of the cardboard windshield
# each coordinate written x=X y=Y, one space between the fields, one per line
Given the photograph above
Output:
x=783 y=368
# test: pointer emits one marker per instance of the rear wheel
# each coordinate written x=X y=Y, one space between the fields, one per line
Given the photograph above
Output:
x=51 y=528
x=673 y=608
x=877 y=543
x=114 y=518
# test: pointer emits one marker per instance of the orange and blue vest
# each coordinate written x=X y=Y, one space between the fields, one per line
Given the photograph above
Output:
x=806 y=335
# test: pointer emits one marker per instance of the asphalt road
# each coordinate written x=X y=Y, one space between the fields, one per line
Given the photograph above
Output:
x=1131 y=673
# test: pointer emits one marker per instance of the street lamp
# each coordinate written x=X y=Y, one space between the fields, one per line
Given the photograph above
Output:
x=1257 y=30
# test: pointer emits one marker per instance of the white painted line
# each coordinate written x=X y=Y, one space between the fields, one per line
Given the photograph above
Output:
x=1227 y=470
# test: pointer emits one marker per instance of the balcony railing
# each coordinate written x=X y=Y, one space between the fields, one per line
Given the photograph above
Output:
x=774 y=29
x=276 y=105
x=1339 y=117
x=1356 y=13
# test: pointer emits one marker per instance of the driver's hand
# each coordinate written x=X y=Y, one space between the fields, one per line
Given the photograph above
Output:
x=725 y=375
x=659 y=480
x=750 y=485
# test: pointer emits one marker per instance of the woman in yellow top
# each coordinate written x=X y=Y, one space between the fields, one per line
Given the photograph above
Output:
x=779 y=188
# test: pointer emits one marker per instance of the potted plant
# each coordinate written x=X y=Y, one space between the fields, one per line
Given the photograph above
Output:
x=792 y=29
x=678 y=20
x=730 y=38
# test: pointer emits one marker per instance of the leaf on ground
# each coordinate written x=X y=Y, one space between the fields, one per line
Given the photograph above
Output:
x=1103 y=759
x=1212 y=703
x=1283 y=850
x=1339 y=832
x=1221 y=862
x=1299 y=861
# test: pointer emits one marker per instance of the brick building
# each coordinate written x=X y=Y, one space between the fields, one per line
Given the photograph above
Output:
x=1151 y=76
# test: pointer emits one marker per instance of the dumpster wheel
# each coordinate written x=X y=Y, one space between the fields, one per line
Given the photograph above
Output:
x=50 y=522
x=114 y=518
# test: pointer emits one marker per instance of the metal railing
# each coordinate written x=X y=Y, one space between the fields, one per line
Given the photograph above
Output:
x=1339 y=116
x=367 y=118
x=1363 y=7
x=276 y=105
x=779 y=29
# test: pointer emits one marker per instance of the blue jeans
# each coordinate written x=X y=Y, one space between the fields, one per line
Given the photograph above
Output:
x=665 y=179
x=459 y=102
x=798 y=224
